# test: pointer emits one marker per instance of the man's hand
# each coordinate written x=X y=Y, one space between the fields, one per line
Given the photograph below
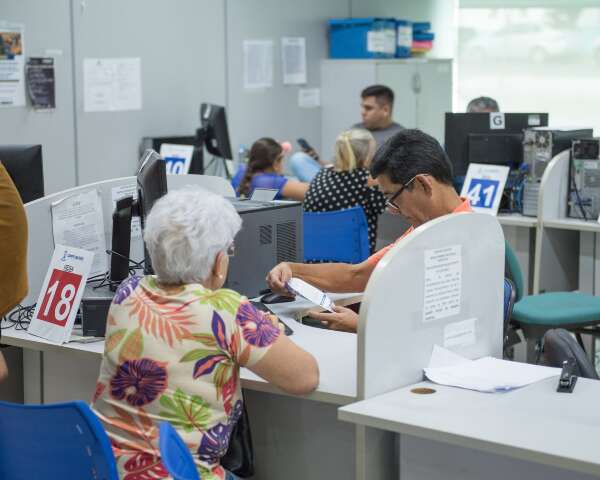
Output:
x=344 y=319
x=278 y=277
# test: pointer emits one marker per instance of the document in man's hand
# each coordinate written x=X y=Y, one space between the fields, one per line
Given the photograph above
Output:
x=485 y=374
x=312 y=294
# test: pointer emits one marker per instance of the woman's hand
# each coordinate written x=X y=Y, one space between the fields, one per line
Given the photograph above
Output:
x=276 y=323
x=344 y=319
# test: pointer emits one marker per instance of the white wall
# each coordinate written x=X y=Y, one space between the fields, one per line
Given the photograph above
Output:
x=191 y=52
x=274 y=112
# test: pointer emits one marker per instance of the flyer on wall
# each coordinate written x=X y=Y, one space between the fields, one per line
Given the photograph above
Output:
x=40 y=82
x=12 y=65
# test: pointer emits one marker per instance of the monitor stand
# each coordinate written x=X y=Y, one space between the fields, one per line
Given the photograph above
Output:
x=220 y=164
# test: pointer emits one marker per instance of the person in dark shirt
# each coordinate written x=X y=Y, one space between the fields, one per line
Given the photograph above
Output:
x=376 y=110
x=348 y=183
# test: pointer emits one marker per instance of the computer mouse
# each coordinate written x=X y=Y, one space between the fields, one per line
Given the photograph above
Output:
x=275 y=298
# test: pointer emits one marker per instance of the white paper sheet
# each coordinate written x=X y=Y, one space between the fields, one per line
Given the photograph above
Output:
x=112 y=84
x=127 y=191
x=309 y=97
x=443 y=283
x=178 y=158
x=258 y=64
x=264 y=194
x=312 y=294
x=486 y=374
x=293 y=52
x=12 y=65
x=78 y=221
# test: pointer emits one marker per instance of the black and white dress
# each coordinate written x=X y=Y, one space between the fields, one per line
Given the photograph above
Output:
x=332 y=190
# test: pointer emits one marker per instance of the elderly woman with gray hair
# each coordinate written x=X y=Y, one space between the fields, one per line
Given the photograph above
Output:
x=175 y=342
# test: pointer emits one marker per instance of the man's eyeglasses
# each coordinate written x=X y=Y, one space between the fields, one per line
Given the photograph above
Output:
x=231 y=250
x=389 y=202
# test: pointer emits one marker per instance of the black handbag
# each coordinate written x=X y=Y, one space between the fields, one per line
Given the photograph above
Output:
x=239 y=458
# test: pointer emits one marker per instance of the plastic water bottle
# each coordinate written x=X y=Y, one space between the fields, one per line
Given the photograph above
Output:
x=242 y=155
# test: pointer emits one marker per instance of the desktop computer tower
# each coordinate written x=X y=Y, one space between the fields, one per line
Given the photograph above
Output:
x=540 y=145
x=584 y=183
x=271 y=233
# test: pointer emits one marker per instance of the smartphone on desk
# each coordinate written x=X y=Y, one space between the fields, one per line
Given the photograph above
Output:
x=263 y=308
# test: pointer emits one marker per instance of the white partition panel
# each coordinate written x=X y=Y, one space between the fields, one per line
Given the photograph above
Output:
x=554 y=188
x=39 y=218
x=41 y=241
x=394 y=339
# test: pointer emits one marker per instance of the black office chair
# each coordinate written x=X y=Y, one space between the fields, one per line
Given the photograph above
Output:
x=511 y=337
x=559 y=345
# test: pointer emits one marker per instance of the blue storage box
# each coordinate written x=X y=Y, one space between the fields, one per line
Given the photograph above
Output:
x=362 y=37
x=404 y=38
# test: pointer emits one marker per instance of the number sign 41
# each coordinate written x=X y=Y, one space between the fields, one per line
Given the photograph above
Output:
x=61 y=294
x=483 y=187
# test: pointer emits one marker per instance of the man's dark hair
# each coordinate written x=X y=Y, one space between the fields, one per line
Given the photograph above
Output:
x=409 y=153
x=483 y=104
x=381 y=93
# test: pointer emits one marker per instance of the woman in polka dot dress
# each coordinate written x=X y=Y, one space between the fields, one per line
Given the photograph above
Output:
x=348 y=183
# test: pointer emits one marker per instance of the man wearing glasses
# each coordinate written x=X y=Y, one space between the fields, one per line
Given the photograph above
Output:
x=415 y=175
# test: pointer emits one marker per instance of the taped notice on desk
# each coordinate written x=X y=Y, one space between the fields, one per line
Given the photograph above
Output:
x=443 y=283
x=78 y=221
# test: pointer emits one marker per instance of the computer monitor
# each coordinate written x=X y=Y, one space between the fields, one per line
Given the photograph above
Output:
x=121 y=242
x=24 y=165
x=152 y=184
x=197 y=163
x=214 y=130
x=470 y=137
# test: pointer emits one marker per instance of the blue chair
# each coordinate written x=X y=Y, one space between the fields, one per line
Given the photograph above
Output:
x=175 y=455
x=339 y=236
x=61 y=440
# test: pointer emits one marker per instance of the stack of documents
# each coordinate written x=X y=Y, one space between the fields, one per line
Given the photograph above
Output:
x=486 y=374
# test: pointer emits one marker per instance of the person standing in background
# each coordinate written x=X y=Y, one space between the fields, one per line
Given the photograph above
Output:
x=376 y=110
x=483 y=105
x=13 y=250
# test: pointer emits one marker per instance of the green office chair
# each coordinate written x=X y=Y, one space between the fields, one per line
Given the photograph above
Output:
x=536 y=314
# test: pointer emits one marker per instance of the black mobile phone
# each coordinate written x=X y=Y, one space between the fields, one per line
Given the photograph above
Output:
x=304 y=145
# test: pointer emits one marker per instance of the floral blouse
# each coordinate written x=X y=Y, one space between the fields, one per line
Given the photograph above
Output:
x=173 y=354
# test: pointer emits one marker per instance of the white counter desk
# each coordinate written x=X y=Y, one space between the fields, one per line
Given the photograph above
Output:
x=283 y=426
x=532 y=433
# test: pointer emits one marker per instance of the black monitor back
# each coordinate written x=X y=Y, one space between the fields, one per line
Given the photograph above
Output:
x=459 y=126
x=152 y=185
x=24 y=165
x=214 y=124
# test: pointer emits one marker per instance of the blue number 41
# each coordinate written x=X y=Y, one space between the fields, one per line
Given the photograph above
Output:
x=482 y=192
